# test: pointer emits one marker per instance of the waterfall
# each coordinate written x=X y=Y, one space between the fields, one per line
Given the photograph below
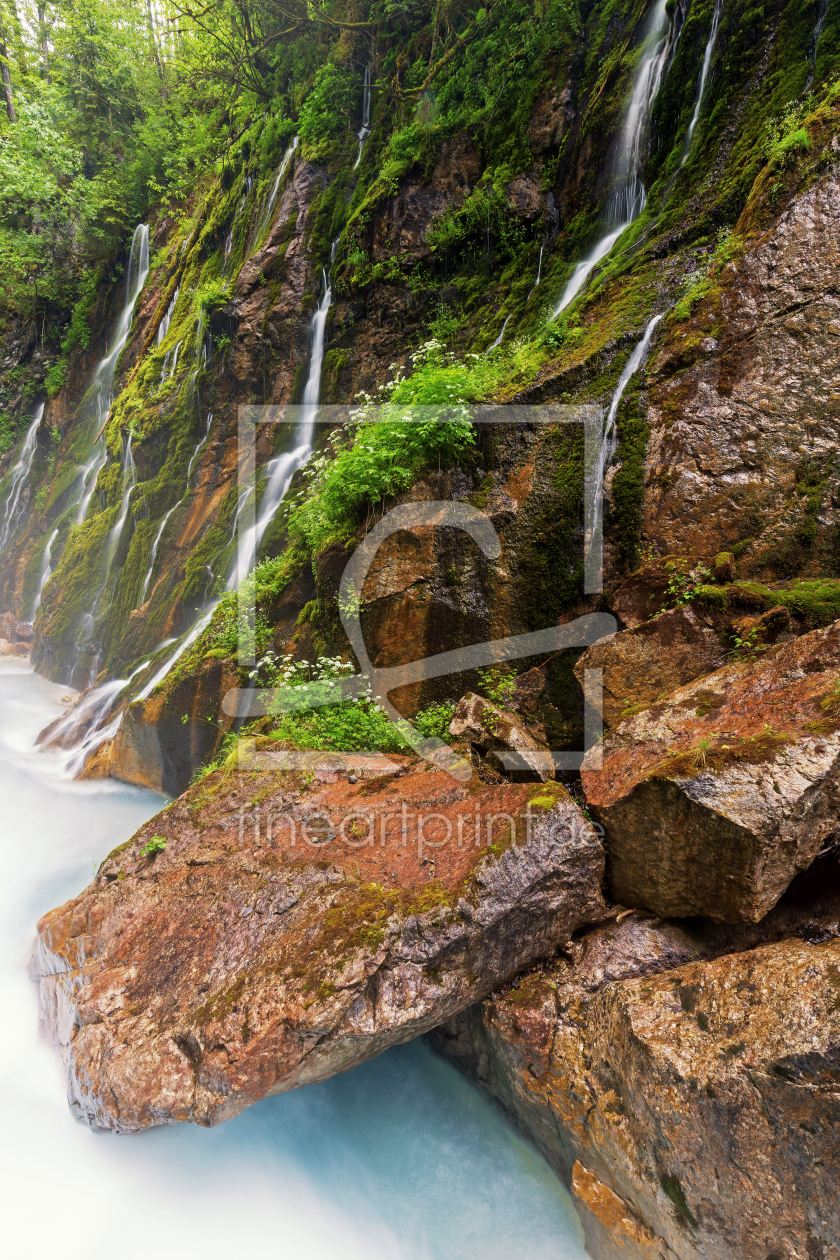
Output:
x=158 y=677
x=364 y=131
x=129 y=479
x=138 y=270
x=606 y=450
x=814 y=41
x=159 y=535
x=284 y=165
x=20 y=472
x=163 y=327
x=282 y=468
x=151 y=567
x=629 y=196
x=201 y=442
x=704 y=74
x=498 y=340
x=45 y=575
x=168 y=368
x=536 y=283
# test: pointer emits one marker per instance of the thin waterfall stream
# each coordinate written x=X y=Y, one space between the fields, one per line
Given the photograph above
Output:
x=704 y=75
x=608 y=444
x=629 y=195
x=18 y=478
x=364 y=130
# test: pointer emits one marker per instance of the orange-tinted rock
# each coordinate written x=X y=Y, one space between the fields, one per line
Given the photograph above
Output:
x=715 y=798
x=693 y=1110
x=642 y=664
x=286 y=933
x=504 y=736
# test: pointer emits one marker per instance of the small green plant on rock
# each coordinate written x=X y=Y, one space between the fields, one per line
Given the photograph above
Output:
x=152 y=847
x=683 y=583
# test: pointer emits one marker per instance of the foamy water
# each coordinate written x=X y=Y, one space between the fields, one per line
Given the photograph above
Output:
x=400 y=1159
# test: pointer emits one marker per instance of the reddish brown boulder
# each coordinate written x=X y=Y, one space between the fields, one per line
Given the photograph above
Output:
x=693 y=1109
x=644 y=663
x=715 y=798
x=503 y=737
x=288 y=932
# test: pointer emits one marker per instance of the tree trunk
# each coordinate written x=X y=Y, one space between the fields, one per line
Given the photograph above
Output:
x=7 y=78
x=42 y=33
x=155 y=50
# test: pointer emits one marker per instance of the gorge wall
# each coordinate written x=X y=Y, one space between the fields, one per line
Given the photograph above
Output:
x=628 y=205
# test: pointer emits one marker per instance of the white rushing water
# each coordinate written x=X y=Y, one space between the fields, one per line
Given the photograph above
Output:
x=163 y=326
x=284 y=166
x=45 y=574
x=498 y=340
x=17 y=479
x=138 y=270
x=398 y=1160
x=629 y=196
x=704 y=75
x=364 y=131
x=283 y=467
x=606 y=450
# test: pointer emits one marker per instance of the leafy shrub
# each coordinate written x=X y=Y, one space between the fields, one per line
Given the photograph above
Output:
x=212 y=296
x=329 y=105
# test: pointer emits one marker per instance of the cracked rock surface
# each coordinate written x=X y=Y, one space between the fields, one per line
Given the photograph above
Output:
x=277 y=940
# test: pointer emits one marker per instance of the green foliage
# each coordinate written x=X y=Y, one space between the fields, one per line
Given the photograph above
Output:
x=212 y=296
x=359 y=725
x=384 y=448
x=56 y=378
x=683 y=583
x=328 y=108
x=498 y=684
x=152 y=847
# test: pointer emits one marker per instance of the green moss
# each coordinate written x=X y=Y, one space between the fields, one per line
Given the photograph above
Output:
x=673 y=1189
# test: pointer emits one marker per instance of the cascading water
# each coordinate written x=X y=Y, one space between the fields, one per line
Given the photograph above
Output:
x=129 y=481
x=153 y=555
x=45 y=574
x=201 y=441
x=170 y=362
x=138 y=270
x=284 y=166
x=607 y=446
x=498 y=340
x=815 y=39
x=282 y=468
x=536 y=283
x=704 y=74
x=163 y=327
x=364 y=131
x=629 y=196
x=19 y=475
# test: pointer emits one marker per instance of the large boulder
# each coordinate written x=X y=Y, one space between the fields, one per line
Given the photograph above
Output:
x=691 y=1106
x=291 y=929
x=646 y=662
x=713 y=799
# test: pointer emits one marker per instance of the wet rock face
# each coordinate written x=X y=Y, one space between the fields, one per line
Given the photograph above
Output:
x=652 y=659
x=504 y=737
x=691 y=1107
x=283 y=937
x=714 y=799
x=756 y=410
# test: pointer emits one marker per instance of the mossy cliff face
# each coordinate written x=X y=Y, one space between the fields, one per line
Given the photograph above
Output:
x=461 y=197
